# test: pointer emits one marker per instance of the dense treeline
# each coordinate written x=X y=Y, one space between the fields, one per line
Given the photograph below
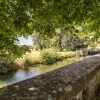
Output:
x=62 y=41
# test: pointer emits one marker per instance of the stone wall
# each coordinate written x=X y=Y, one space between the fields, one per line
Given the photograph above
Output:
x=77 y=81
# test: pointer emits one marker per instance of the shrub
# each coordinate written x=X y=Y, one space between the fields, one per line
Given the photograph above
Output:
x=48 y=56
x=28 y=61
x=5 y=66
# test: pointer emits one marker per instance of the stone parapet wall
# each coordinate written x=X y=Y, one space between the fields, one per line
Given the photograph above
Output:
x=77 y=81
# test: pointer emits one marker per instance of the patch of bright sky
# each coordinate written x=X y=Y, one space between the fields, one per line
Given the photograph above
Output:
x=25 y=41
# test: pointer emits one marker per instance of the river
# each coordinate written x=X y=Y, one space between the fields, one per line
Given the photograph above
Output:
x=13 y=77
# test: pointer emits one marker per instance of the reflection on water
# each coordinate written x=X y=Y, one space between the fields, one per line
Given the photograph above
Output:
x=20 y=75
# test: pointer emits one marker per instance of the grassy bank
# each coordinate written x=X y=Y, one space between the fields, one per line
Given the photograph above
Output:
x=47 y=56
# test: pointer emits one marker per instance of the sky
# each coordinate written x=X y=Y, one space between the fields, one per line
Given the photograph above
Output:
x=25 y=41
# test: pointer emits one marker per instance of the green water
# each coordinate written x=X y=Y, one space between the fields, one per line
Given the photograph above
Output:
x=13 y=77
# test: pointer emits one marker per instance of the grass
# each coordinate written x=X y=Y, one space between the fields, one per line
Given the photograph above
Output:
x=69 y=54
x=48 y=56
x=45 y=57
x=31 y=58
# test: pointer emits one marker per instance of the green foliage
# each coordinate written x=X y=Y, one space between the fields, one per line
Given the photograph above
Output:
x=27 y=62
x=48 y=56
x=5 y=66
x=8 y=55
x=44 y=16
x=23 y=17
x=64 y=55
x=62 y=40
x=40 y=42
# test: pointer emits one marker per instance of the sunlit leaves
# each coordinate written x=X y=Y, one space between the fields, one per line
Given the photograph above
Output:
x=23 y=17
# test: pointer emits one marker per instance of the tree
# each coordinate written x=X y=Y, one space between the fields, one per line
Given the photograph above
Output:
x=40 y=42
x=22 y=17
x=62 y=40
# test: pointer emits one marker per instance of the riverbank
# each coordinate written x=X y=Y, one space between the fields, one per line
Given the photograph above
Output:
x=34 y=58
x=45 y=57
x=69 y=76
x=19 y=75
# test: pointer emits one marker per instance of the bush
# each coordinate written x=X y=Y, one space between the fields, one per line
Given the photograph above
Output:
x=28 y=61
x=4 y=66
x=48 y=56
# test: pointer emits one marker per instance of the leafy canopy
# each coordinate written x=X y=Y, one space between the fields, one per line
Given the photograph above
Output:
x=22 y=17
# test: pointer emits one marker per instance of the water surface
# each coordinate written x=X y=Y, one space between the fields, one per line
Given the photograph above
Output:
x=13 y=77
